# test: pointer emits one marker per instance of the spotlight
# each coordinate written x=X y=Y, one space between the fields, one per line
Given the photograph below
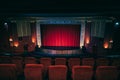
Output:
x=5 y=23
x=111 y=41
x=117 y=23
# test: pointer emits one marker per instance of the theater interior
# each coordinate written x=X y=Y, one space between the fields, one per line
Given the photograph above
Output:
x=59 y=40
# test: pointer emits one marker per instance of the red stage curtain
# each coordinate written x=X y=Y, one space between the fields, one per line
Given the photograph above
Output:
x=60 y=35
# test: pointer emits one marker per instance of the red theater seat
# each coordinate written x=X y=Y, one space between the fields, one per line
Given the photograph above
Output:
x=102 y=62
x=60 y=61
x=88 y=62
x=116 y=62
x=82 y=72
x=8 y=72
x=33 y=72
x=106 y=73
x=30 y=60
x=72 y=62
x=46 y=62
x=5 y=59
x=58 y=72
x=19 y=64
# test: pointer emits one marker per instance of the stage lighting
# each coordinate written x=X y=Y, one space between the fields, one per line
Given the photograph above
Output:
x=117 y=23
x=5 y=23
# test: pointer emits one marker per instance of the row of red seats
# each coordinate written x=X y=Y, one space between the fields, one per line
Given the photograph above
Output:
x=58 y=72
x=20 y=62
x=63 y=61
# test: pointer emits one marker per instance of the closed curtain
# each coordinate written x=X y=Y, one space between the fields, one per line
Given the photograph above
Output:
x=60 y=35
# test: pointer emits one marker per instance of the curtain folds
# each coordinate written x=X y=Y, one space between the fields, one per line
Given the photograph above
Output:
x=60 y=35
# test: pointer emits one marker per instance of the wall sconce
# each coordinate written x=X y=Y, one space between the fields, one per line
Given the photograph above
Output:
x=10 y=39
x=87 y=40
x=33 y=40
x=111 y=41
x=16 y=44
x=106 y=45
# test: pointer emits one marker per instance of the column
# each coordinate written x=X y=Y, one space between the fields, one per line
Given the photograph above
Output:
x=82 y=33
x=38 y=33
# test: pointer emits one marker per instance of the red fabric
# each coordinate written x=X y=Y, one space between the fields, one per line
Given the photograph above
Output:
x=106 y=73
x=30 y=60
x=60 y=35
x=72 y=62
x=18 y=61
x=33 y=72
x=46 y=62
x=88 y=61
x=58 y=72
x=116 y=62
x=82 y=73
x=8 y=72
x=5 y=59
x=102 y=62
x=60 y=61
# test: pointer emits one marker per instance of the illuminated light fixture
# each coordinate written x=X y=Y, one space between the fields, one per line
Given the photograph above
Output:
x=111 y=41
x=105 y=45
x=33 y=40
x=87 y=41
x=5 y=23
x=10 y=39
x=16 y=44
x=117 y=23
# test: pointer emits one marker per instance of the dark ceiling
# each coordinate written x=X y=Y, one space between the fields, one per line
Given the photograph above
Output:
x=102 y=7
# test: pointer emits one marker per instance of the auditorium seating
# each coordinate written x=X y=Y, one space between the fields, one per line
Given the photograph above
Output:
x=82 y=72
x=102 y=62
x=60 y=61
x=19 y=64
x=30 y=60
x=106 y=73
x=33 y=72
x=72 y=62
x=5 y=59
x=86 y=68
x=8 y=72
x=46 y=62
x=88 y=62
x=116 y=62
x=57 y=72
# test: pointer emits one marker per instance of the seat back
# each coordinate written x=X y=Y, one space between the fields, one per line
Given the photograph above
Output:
x=58 y=72
x=102 y=62
x=30 y=60
x=106 y=73
x=82 y=72
x=46 y=63
x=72 y=62
x=8 y=72
x=88 y=61
x=116 y=62
x=60 y=61
x=5 y=59
x=18 y=61
x=33 y=72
